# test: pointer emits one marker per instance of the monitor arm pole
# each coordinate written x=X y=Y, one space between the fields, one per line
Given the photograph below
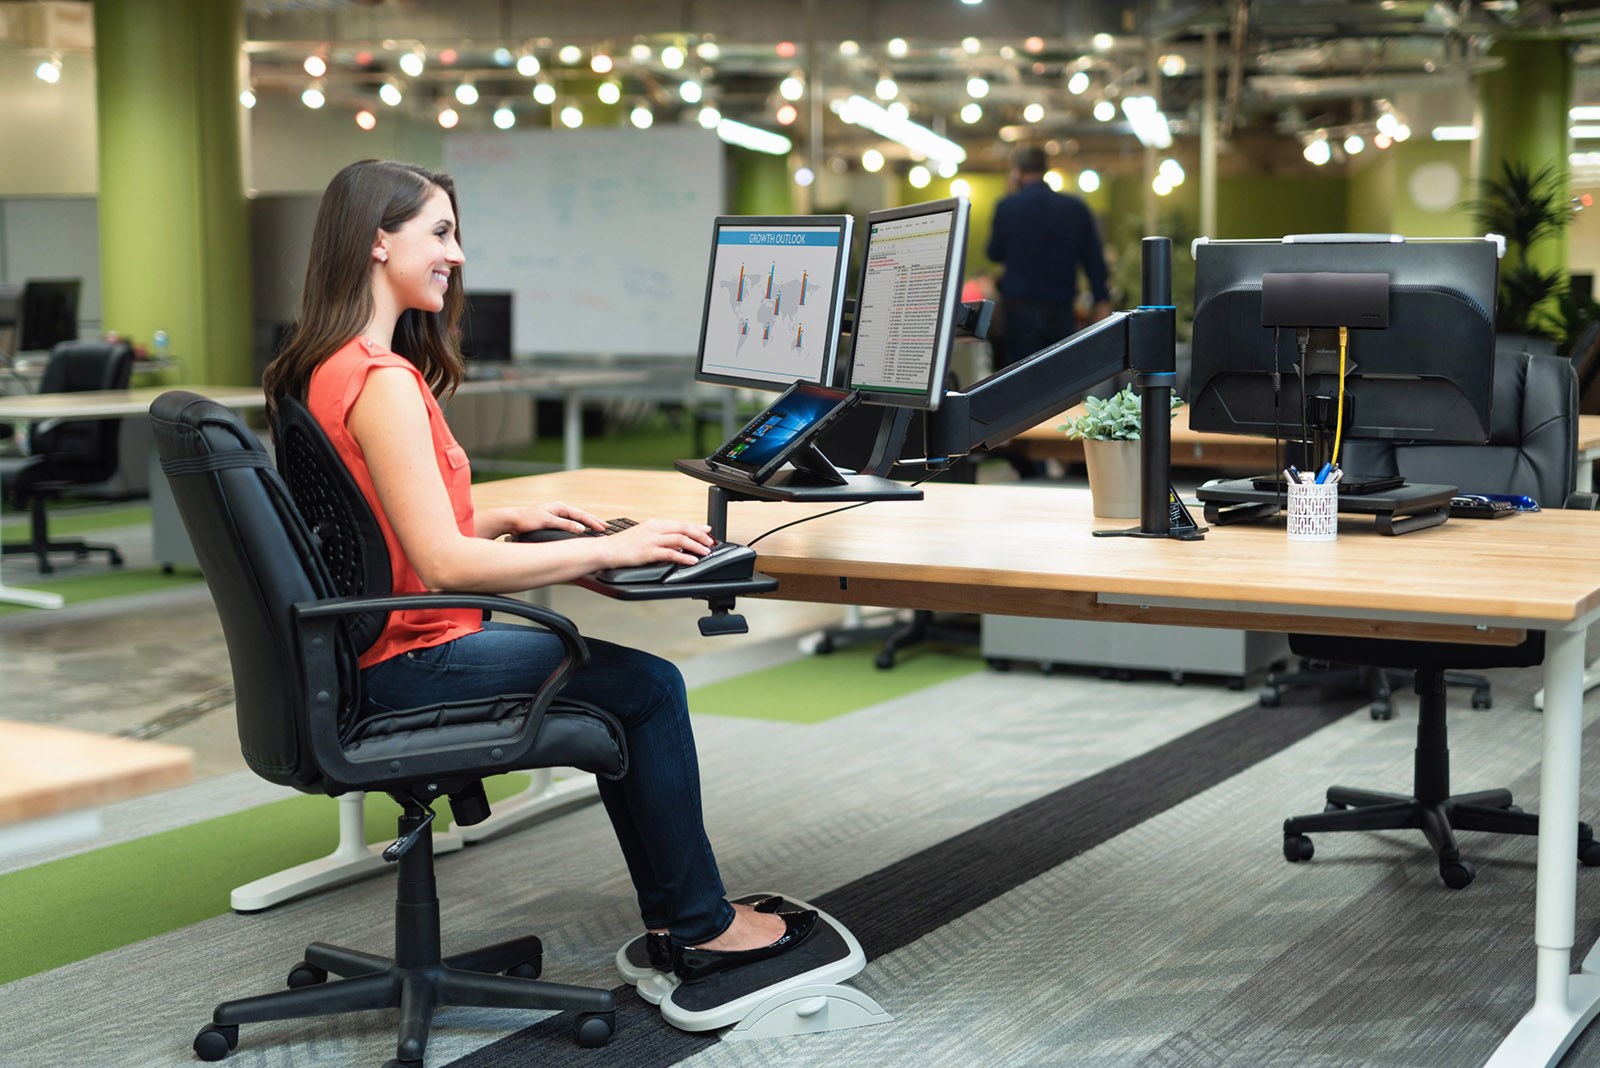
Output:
x=1017 y=397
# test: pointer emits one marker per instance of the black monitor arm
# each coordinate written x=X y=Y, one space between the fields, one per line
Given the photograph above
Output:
x=1017 y=397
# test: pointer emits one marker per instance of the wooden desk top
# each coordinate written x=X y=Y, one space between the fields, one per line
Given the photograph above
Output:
x=1028 y=551
x=46 y=770
x=117 y=403
x=1194 y=448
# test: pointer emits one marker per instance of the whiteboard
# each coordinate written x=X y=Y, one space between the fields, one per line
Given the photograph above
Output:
x=602 y=236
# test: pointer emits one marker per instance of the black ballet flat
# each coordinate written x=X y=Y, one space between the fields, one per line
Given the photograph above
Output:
x=658 y=947
x=693 y=965
x=772 y=903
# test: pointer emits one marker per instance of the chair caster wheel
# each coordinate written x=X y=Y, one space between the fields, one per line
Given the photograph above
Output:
x=883 y=661
x=216 y=1041
x=526 y=969
x=1589 y=853
x=822 y=647
x=998 y=664
x=1456 y=873
x=594 y=1029
x=306 y=974
x=1482 y=699
x=116 y=559
x=1382 y=710
x=1271 y=697
x=1297 y=847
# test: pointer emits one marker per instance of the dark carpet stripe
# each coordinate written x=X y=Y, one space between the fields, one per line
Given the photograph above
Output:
x=901 y=903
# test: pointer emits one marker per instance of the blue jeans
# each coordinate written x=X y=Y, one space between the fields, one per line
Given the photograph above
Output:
x=655 y=808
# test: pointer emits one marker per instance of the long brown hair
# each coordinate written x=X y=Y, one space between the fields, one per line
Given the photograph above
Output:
x=336 y=304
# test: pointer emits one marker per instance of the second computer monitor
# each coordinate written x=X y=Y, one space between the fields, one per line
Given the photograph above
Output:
x=774 y=295
x=906 y=305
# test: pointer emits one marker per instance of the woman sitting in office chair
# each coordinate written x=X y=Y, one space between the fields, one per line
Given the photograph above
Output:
x=373 y=350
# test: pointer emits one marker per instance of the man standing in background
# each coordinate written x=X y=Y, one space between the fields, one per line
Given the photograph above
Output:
x=1042 y=238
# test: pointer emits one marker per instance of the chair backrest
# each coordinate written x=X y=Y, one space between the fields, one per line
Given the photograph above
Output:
x=259 y=559
x=1533 y=439
x=83 y=450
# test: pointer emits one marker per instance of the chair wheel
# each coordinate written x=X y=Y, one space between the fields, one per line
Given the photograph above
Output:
x=216 y=1041
x=1382 y=710
x=883 y=661
x=1271 y=697
x=306 y=974
x=999 y=664
x=116 y=559
x=1456 y=873
x=526 y=969
x=1297 y=847
x=594 y=1029
x=1482 y=699
x=823 y=646
x=1589 y=853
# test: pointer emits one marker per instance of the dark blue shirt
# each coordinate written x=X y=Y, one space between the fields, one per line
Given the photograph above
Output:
x=1043 y=237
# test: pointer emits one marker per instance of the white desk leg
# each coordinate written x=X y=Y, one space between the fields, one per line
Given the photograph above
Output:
x=30 y=598
x=1563 y=1003
x=571 y=431
x=543 y=798
x=351 y=859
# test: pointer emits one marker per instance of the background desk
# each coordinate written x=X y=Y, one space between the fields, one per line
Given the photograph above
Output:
x=53 y=780
x=1239 y=453
x=1025 y=551
x=567 y=383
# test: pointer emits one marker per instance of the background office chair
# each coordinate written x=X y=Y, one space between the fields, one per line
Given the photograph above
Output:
x=1531 y=450
x=283 y=591
x=67 y=454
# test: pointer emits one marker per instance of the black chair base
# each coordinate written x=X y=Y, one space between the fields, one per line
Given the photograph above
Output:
x=1432 y=809
x=39 y=544
x=417 y=980
x=1379 y=683
x=923 y=626
x=79 y=549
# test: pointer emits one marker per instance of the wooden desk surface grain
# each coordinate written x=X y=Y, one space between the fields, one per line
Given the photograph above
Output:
x=46 y=770
x=1029 y=551
x=115 y=403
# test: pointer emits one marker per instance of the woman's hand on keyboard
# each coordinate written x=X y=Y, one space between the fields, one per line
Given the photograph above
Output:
x=657 y=541
x=556 y=515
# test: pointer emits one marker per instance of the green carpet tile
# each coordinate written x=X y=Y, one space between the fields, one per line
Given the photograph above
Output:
x=126 y=582
x=71 y=520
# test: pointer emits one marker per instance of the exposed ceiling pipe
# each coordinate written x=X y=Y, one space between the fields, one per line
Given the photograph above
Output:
x=1241 y=29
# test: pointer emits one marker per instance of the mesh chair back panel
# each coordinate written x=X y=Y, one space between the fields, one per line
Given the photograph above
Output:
x=83 y=450
x=259 y=560
x=327 y=497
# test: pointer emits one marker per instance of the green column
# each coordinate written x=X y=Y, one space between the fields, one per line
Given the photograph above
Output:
x=174 y=225
x=1522 y=110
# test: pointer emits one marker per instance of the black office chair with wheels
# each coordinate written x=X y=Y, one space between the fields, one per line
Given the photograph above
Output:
x=300 y=592
x=1532 y=450
x=79 y=452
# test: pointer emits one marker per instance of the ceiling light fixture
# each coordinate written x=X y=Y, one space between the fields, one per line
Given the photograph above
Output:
x=504 y=117
x=872 y=161
x=849 y=48
x=1149 y=124
x=792 y=88
x=1078 y=83
x=1172 y=170
x=787 y=114
x=948 y=169
x=707 y=50
x=709 y=117
x=898 y=47
x=691 y=92
x=1317 y=151
x=886 y=89
x=413 y=62
x=641 y=117
x=1354 y=144
x=248 y=98
x=366 y=119
x=49 y=70
x=448 y=118
x=467 y=93
x=544 y=93
x=919 y=177
x=1103 y=42
x=1455 y=133
x=600 y=63
x=502 y=57
x=315 y=65
x=527 y=64
x=859 y=111
x=804 y=176
x=390 y=94
x=609 y=92
x=1584 y=113
x=1105 y=110
x=971 y=112
x=961 y=188
x=1054 y=180
x=640 y=52
x=571 y=117
x=753 y=137
x=1089 y=181
x=977 y=87
x=1033 y=112
x=570 y=54
x=672 y=57
x=312 y=97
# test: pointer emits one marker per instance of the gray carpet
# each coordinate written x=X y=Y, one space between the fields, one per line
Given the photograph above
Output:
x=1137 y=932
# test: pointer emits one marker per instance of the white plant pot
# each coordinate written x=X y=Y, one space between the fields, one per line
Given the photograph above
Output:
x=1113 y=477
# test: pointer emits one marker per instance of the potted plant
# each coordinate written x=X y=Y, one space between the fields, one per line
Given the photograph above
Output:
x=1109 y=430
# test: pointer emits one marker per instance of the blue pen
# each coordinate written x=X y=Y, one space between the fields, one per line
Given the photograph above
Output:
x=1294 y=473
x=1322 y=476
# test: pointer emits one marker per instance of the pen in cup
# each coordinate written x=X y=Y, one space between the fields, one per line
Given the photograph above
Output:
x=1322 y=476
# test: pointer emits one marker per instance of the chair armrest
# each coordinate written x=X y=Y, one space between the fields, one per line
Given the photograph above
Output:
x=317 y=624
x=1582 y=500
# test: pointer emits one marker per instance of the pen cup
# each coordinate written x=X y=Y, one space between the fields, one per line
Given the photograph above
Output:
x=1313 y=511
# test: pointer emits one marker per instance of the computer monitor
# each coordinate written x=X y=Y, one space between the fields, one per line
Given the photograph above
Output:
x=1428 y=375
x=486 y=327
x=774 y=294
x=49 y=313
x=905 y=307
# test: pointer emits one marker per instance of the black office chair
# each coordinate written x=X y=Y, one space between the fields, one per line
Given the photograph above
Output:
x=1531 y=450
x=289 y=588
x=66 y=454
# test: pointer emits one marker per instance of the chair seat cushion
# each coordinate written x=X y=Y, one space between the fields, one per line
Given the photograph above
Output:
x=573 y=734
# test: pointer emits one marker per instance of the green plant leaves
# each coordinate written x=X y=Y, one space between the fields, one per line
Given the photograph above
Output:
x=1113 y=418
